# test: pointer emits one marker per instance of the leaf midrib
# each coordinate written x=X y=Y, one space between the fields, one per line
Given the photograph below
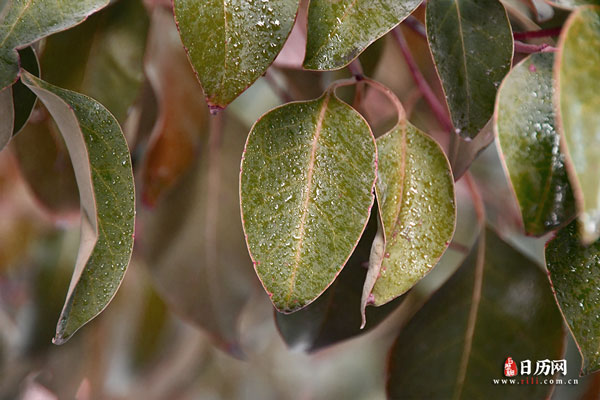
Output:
x=306 y=200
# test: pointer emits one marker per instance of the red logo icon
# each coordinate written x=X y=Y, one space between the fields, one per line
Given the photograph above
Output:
x=510 y=367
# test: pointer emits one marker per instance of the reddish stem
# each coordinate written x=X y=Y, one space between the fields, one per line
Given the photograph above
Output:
x=527 y=48
x=416 y=25
x=537 y=34
x=438 y=109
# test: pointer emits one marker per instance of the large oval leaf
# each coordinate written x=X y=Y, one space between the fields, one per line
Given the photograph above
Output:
x=103 y=171
x=101 y=58
x=306 y=185
x=334 y=317
x=231 y=44
x=472 y=46
x=575 y=276
x=497 y=305
x=26 y=21
x=526 y=128
x=415 y=193
x=338 y=31
x=577 y=71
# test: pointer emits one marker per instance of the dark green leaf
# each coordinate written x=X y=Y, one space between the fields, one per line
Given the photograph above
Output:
x=575 y=276
x=101 y=58
x=26 y=21
x=335 y=315
x=415 y=193
x=526 y=128
x=578 y=93
x=231 y=44
x=497 y=305
x=472 y=47
x=193 y=240
x=338 y=31
x=306 y=187
x=7 y=116
x=103 y=171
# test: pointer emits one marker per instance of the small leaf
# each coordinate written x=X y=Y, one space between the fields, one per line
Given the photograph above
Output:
x=572 y=4
x=415 y=193
x=23 y=99
x=577 y=69
x=472 y=47
x=183 y=117
x=497 y=305
x=306 y=187
x=101 y=58
x=231 y=44
x=338 y=31
x=526 y=129
x=575 y=276
x=193 y=241
x=334 y=316
x=26 y=21
x=103 y=171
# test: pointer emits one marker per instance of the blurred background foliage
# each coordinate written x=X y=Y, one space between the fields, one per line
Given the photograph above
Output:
x=190 y=320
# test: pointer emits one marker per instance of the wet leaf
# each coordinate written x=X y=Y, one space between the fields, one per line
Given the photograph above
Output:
x=183 y=116
x=335 y=315
x=101 y=58
x=472 y=47
x=103 y=171
x=338 y=31
x=497 y=305
x=415 y=193
x=45 y=164
x=526 y=128
x=26 y=21
x=575 y=276
x=23 y=99
x=193 y=240
x=231 y=44
x=577 y=69
x=306 y=185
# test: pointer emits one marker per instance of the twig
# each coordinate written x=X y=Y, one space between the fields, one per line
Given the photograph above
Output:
x=527 y=48
x=537 y=34
x=416 y=26
x=439 y=111
x=356 y=69
x=277 y=89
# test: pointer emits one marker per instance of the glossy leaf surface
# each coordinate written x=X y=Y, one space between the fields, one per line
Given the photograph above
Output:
x=335 y=315
x=497 y=305
x=231 y=44
x=472 y=47
x=575 y=276
x=103 y=171
x=415 y=193
x=101 y=58
x=26 y=21
x=338 y=31
x=194 y=243
x=578 y=93
x=526 y=128
x=306 y=185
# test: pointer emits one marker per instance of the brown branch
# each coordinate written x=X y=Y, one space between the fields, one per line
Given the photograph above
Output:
x=438 y=109
x=537 y=34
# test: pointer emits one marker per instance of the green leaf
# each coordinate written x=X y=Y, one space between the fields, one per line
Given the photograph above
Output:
x=26 y=21
x=103 y=171
x=306 y=189
x=415 y=193
x=231 y=44
x=338 y=31
x=23 y=99
x=103 y=57
x=193 y=240
x=497 y=305
x=472 y=47
x=526 y=128
x=335 y=316
x=7 y=116
x=577 y=69
x=575 y=276
x=571 y=4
